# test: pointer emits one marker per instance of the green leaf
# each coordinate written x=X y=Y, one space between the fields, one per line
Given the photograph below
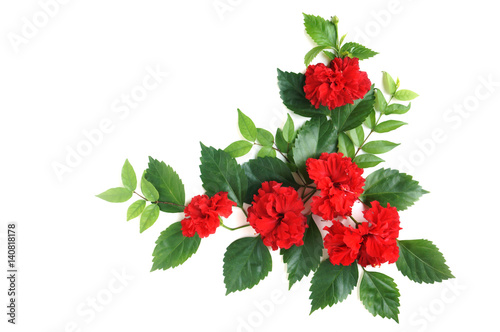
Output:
x=289 y=130
x=380 y=102
x=238 y=148
x=149 y=216
x=370 y=120
x=367 y=160
x=148 y=190
x=173 y=248
x=397 y=109
x=247 y=127
x=129 y=178
x=380 y=295
x=350 y=116
x=292 y=94
x=168 y=184
x=221 y=172
x=356 y=50
x=388 y=83
x=329 y=55
x=421 y=261
x=345 y=145
x=313 y=54
x=116 y=195
x=405 y=95
x=391 y=186
x=246 y=262
x=323 y=32
x=388 y=125
x=357 y=135
x=377 y=147
x=281 y=143
x=135 y=209
x=264 y=137
x=266 y=151
x=332 y=284
x=314 y=137
x=301 y=260
x=266 y=169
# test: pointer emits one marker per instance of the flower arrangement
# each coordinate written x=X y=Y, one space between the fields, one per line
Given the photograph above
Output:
x=301 y=181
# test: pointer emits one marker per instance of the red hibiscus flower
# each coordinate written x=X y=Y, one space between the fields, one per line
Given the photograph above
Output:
x=379 y=235
x=202 y=214
x=276 y=213
x=340 y=183
x=339 y=84
x=343 y=243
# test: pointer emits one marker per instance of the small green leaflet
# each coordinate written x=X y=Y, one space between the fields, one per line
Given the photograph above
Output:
x=370 y=120
x=173 y=248
x=391 y=186
x=281 y=143
x=367 y=160
x=135 y=209
x=116 y=195
x=149 y=216
x=350 y=116
x=264 y=137
x=168 y=184
x=380 y=102
x=355 y=50
x=301 y=260
x=148 y=190
x=246 y=262
x=247 y=127
x=377 y=147
x=357 y=135
x=332 y=284
x=221 y=172
x=388 y=126
x=421 y=261
x=289 y=130
x=129 y=178
x=345 y=145
x=266 y=151
x=388 y=83
x=238 y=148
x=397 y=109
x=379 y=295
x=323 y=32
x=313 y=53
x=405 y=95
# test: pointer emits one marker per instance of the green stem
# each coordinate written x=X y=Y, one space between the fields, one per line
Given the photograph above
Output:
x=357 y=223
x=156 y=202
x=310 y=195
x=231 y=229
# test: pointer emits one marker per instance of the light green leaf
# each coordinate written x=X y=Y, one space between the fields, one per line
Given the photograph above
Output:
x=380 y=295
x=247 y=127
x=168 y=184
x=345 y=145
x=313 y=53
x=377 y=147
x=388 y=125
x=116 y=195
x=355 y=50
x=421 y=261
x=135 y=209
x=264 y=137
x=405 y=95
x=149 y=216
x=172 y=248
x=289 y=130
x=329 y=55
x=367 y=160
x=266 y=151
x=281 y=143
x=357 y=135
x=148 y=190
x=323 y=32
x=388 y=83
x=371 y=120
x=129 y=178
x=380 y=102
x=238 y=148
x=397 y=109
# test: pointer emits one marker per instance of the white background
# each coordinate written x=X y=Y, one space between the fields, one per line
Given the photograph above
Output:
x=69 y=74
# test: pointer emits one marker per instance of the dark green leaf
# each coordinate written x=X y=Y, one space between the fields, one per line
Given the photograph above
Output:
x=266 y=151
x=266 y=169
x=168 y=184
x=380 y=102
x=332 y=284
x=292 y=94
x=246 y=262
x=357 y=135
x=129 y=178
x=301 y=260
x=247 y=127
x=379 y=295
x=377 y=147
x=405 y=95
x=388 y=125
x=289 y=130
x=345 y=145
x=173 y=248
x=391 y=186
x=149 y=216
x=116 y=195
x=421 y=261
x=135 y=209
x=367 y=160
x=397 y=109
x=313 y=54
x=370 y=120
x=323 y=32
x=356 y=50
x=350 y=116
x=238 y=148
x=315 y=137
x=264 y=137
x=221 y=172
x=388 y=83
x=148 y=190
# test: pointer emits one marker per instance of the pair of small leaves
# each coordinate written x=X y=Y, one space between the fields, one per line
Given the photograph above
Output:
x=122 y=194
x=382 y=106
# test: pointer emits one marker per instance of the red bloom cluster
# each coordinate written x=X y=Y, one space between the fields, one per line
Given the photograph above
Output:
x=372 y=243
x=340 y=183
x=202 y=214
x=276 y=213
x=337 y=85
